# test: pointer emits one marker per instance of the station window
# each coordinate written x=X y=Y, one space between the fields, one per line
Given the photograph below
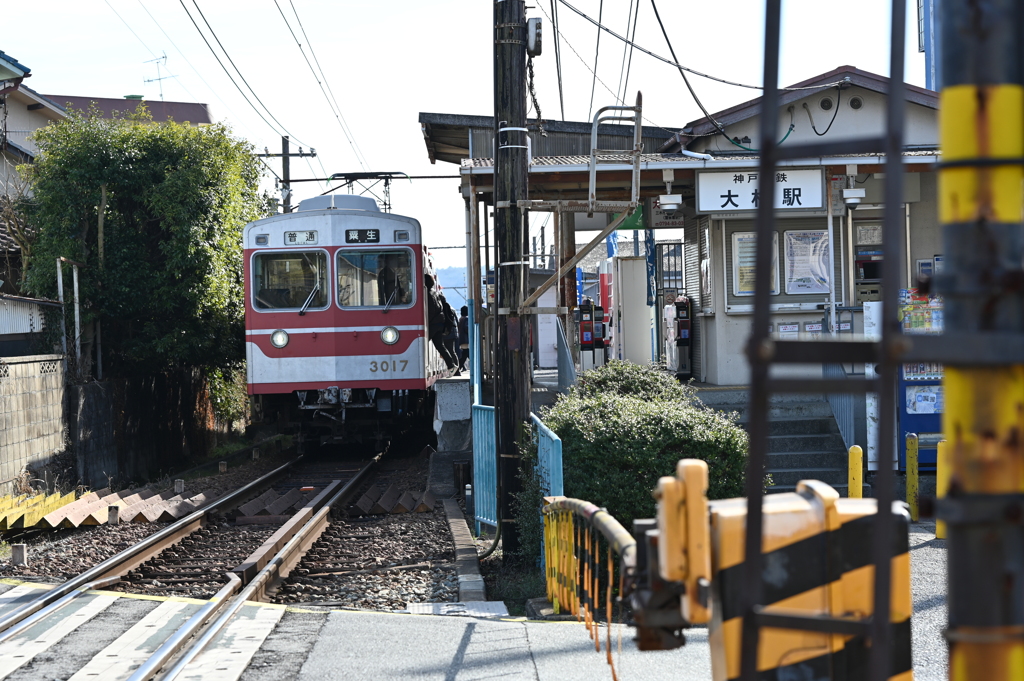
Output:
x=375 y=278
x=290 y=280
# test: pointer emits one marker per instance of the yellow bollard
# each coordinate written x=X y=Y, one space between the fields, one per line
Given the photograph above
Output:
x=941 y=483
x=913 y=480
x=855 y=476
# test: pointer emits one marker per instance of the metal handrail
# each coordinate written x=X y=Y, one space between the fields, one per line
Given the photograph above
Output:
x=638 y=146
x=618 y=536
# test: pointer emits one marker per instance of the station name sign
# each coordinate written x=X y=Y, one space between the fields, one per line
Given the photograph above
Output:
x=738 y=191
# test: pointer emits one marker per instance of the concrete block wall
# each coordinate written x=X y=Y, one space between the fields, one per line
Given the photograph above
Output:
x=31 y=412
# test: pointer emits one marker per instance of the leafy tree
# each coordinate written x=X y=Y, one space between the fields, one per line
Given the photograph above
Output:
x=171 y=201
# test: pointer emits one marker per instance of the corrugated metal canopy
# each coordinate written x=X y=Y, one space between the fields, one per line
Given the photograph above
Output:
x=447 y=137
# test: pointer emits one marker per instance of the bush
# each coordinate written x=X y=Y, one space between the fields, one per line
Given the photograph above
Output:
x=619 y=437
x=625 y=378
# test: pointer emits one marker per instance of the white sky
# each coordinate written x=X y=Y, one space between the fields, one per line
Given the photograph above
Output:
x=386 y=61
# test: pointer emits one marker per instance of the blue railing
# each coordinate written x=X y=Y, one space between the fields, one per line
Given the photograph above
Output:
x=485 y=467
x=549 y=458
x=485 y=464
x=842 y=404
x=566 y=367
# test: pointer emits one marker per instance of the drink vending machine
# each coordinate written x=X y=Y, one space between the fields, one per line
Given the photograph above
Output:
x=592 y=335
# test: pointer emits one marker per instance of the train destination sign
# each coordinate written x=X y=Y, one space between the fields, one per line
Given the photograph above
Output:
x=738 y=191
x=307 y=238
x=362 y=236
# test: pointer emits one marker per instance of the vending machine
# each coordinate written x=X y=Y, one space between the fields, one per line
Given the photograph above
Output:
x=683 y=327
x=592 y=335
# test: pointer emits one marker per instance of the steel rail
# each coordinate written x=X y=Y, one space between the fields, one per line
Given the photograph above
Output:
x=55 y=606
x=171 y=646
x=228 y=607
x=133 y=556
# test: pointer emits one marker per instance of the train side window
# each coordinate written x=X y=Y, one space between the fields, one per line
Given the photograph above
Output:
x=283 y=281
x=375 y=278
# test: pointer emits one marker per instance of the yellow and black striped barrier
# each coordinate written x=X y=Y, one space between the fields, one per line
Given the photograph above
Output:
x=817 y=552
x=573 y=533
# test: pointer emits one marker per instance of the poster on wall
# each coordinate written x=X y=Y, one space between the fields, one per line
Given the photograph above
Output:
x=807 y=266
x=924 y=399
x=744 y=263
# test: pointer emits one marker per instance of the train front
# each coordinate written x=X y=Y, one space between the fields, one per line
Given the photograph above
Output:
x=335 y=320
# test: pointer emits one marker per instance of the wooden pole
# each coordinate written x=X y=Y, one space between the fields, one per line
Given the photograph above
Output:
x=512 y=377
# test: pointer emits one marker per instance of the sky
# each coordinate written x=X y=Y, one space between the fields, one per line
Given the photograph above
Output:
x=384 y=62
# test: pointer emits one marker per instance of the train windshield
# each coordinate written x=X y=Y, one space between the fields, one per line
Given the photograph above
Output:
x=291 y=280
x=374 y=278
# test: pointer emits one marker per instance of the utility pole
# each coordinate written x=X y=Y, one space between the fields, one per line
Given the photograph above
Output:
x=511 y=165
x=980 y=205
x=286 y=171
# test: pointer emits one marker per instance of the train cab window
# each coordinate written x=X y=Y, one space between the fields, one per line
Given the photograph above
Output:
x=292 y=280
x=375 y=278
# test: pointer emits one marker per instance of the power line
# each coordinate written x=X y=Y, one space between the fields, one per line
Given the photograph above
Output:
x=625 y=48
x=629 y=65
x=672 y=62
x=682 y=72
x=558 y=54
x=196 y=71
x=597 y=51
x=237 y=70
x=352 y=141
x=226 y=72
x=130 y=28
x=317 y=78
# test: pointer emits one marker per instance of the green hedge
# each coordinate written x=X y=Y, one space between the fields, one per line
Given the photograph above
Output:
x=615 y=447
x=622 y=427
x=625 y=378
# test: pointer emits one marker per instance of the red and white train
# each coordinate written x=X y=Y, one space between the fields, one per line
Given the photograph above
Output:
x=336 y=319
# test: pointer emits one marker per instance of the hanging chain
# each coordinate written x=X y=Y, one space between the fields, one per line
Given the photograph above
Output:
x=533 y=97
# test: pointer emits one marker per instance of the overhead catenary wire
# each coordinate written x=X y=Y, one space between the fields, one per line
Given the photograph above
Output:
x=320 y=80
x=673 y=62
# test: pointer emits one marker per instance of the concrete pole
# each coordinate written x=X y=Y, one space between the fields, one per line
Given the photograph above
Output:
x=78 y=322
x=63 y=315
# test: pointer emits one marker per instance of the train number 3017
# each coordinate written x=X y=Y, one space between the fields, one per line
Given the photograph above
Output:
x=389 y=365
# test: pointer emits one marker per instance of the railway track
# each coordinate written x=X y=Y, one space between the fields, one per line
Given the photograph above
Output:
x=219 y=552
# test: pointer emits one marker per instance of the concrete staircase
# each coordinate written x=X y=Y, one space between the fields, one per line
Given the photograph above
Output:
x=803 y=441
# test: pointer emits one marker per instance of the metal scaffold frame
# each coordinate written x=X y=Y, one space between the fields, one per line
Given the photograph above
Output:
x=763 y=351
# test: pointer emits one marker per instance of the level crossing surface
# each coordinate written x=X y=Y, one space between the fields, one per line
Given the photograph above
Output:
x=106 y=634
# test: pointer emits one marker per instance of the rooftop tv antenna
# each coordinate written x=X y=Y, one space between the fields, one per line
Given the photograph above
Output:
x=159 y=78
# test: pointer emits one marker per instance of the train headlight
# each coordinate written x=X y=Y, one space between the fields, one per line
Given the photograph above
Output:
x=279 y=338
x=389 y=335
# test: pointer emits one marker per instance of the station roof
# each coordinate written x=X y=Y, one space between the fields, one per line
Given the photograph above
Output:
x=447 y=135
x=845 y=75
